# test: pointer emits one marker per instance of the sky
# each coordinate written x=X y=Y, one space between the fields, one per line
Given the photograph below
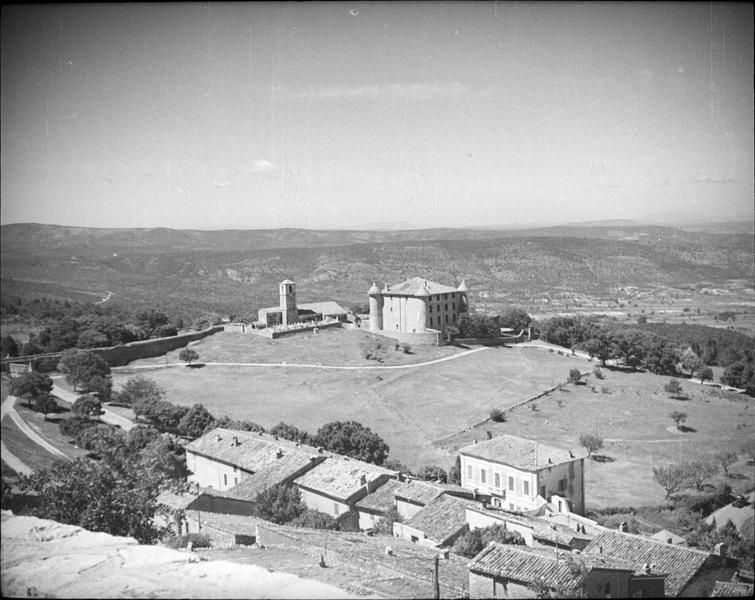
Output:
x=367 y=115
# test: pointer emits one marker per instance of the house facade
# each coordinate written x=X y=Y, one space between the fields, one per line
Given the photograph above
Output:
x=522 y=474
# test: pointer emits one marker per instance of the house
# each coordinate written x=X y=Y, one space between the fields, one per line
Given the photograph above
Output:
x=535 y=531
x=690 y=572
x=437 y=524
x=222 y=459
x=508 y=571
x=413 y=496
x=521 y=474
x=335 y=485
x=288 y=312
x=416 y=306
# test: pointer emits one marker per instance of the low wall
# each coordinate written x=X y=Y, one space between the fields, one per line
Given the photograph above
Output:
x=274 y=335
x=117 y=356
x=482 y=341
x=429 y=338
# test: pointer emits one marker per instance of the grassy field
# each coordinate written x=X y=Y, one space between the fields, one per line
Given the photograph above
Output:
x=50 y=429
x=410 y=408
x=631 y=412
x=27 y=451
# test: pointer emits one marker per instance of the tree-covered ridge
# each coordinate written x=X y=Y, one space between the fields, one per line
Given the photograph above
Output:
x=68 y=324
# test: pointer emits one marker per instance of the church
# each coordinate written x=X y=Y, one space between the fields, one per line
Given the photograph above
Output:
x=416 y=307
x=289 y=313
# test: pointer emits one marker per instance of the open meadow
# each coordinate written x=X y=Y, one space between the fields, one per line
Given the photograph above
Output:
x=409 y=407
x=631 y=412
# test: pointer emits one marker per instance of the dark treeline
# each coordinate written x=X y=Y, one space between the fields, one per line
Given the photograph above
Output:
x=658 y=347
x=66 y=324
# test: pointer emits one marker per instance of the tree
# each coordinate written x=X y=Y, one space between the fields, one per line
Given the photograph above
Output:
x=353 y=439
x=601 y=347
x=8 y=346
x=72 y=426
x=102 y=439
x=725 y=459
x=30 y=386
x=591 y=442
x=279 y=504
x=196 y=422
x=478 y=326
x=241 y=425
x=740 y=374
x=45 y=404
x=385 y=524
x=140 y=436
x=698 y=472
x=87 y=406
x=691 y=361
x=188 y=355
x=678 y=417
x=672 y=478
x=101 y=387
x=81 y=366
x=515 y=318
x=497 y=415
x=433 y=473
x=454 y=473
x=96 y=496
x=705 y=374
x=673 y=388
x=291 y=432
x=139 y=388
x=314 y=519
x=472 y=542
x=574 y=376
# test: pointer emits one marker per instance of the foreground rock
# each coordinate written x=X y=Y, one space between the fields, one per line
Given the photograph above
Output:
x=44 y=558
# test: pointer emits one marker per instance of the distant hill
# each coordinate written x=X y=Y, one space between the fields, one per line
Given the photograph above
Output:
x=237 y=271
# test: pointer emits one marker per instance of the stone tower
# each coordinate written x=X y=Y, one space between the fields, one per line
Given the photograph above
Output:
x=290 y=313
x=463 y=299
x=376 y=308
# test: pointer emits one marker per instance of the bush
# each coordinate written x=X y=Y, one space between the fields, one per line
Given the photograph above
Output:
x=198 y=540
x=314 y=519
x=598 y=373
x=574 y=376
x=472 y=542
x=497 y=415
x=73 y=426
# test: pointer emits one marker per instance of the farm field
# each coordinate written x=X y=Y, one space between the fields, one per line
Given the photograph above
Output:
x=409 y=408
x=631 y=412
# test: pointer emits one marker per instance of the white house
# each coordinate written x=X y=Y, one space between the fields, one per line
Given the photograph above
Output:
x=522 y=474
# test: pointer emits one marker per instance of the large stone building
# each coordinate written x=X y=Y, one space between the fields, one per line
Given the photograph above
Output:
x=416 y=306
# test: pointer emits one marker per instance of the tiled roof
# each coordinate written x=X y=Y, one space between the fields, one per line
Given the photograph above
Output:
x=526 y=565
x=732 y=589
x=283 y=470
x=176 y=501
x=680 y=563
x=418 y=286
x=324 y=308
x=340 y=477
x=255 y=452
x=441 y=518
x=419 y=492
x=383 y=498
x=519 y=452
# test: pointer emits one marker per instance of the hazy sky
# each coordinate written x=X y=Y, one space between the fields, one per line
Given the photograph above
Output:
x=360 y=114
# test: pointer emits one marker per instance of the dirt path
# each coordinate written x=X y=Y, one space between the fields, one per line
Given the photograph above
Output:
x=309 y=366
x=9 y=410
x=108 y=417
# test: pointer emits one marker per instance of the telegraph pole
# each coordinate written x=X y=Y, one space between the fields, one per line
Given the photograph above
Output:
x=436 y=583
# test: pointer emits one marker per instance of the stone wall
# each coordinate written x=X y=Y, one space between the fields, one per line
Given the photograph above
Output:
x=117 y=356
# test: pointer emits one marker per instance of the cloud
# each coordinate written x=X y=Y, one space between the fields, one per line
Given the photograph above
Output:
x=263 y=167
x=383 y=91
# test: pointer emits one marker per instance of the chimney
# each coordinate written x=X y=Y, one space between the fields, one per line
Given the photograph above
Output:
x=646 y=568
x=475 y=440
x=720 y=550
x=235 y=441
x=279 y=453
x=490 y=435
x=571 y=454
x=600 y=549
x=550 y=462
x=319 y=450
x=444 y=553
x=669 y=541
x=362 y=480
x=623 y=526
x=218 y=438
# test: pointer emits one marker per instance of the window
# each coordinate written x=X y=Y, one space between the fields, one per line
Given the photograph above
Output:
x=430 y=308
x=542 y=491
x=511 y=484
x=511 y=506
x=446 y=306
x=225 y=479
x=446 y=318
x=235 y=481
x=526 y=489
x=562 y=484
x=469 y=472
x=497 y=479
x=482 y=476
x=335 y=508
x=453 y=305
x=235 y=468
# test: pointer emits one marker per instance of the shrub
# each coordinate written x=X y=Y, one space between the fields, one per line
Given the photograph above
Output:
x=433 y=473
x=472 y=542
x=598 y=373
x=574 y=376
x=497 y=415
x=314 y=519
x=198 y=540
x=73 y=426
x=673 y=388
